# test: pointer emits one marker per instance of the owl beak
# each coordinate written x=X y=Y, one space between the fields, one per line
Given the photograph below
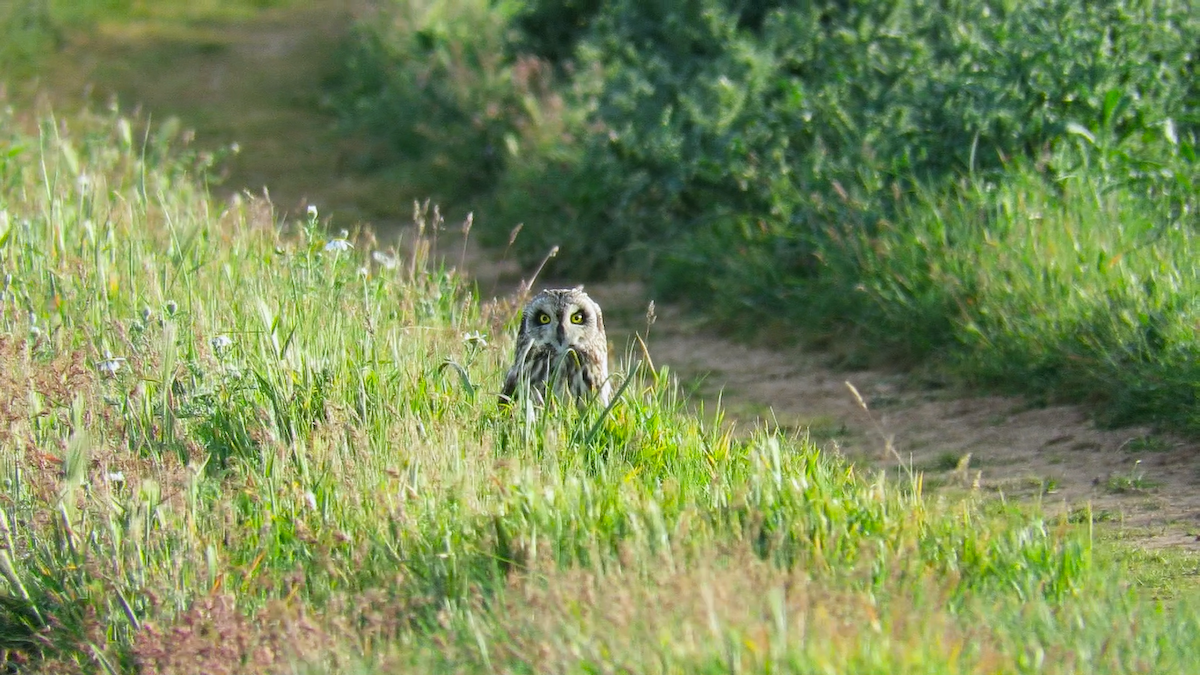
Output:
x=562 y=335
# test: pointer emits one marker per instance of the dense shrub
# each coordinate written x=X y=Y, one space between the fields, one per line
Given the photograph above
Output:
x=710 y=109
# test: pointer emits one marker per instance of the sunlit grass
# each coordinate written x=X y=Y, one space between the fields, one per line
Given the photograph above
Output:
x=234 y=444
x=1071 y=290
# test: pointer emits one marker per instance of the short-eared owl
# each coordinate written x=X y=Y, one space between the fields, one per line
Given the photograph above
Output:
x=561 y=341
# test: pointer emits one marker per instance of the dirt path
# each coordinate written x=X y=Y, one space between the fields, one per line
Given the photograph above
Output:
x=258 y=84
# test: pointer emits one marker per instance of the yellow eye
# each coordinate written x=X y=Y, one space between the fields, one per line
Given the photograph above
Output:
x=577 y=318
x=543 y=318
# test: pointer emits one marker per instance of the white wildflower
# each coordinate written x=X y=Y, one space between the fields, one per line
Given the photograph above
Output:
x=338 y=245
x=116 y=477
x=311 y=499
x=312 y=211
x=221 y=343
x=387 y=260
x=111 y=364
x=475 y=339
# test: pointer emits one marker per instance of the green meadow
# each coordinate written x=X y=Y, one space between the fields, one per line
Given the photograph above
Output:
x=233 y=445
x=235 y=441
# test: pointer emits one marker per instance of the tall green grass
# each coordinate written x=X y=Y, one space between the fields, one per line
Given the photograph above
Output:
x=238 y=445
x=1075 y=290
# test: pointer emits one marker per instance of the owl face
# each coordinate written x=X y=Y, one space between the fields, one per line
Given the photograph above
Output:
x=561 y=341
x=561 y=319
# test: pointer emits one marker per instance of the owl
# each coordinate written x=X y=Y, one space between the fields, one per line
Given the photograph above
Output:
x=562 y=341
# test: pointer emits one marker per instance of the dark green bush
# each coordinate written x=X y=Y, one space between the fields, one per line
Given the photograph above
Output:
x=708 y=109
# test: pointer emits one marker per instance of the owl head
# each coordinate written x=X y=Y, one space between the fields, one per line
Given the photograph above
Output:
x=562 y=319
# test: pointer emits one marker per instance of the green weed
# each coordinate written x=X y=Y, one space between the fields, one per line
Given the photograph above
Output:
x=1068 y=290
x=1133 y=480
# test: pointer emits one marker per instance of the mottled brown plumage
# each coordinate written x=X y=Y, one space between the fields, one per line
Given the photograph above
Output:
x=561 y=340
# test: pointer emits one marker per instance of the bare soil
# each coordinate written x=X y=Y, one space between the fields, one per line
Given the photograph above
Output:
x=258 y=83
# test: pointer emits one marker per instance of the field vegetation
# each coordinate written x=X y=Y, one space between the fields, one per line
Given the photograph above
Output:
x=235 y=445
x=1005 y=192
x=238 y=443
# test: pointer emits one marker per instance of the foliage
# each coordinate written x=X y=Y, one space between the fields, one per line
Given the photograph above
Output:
x=1075 y=289
x=27 y=30
x=430 y=80
x=710 y=110
x=232 y=446
x=848 y=167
